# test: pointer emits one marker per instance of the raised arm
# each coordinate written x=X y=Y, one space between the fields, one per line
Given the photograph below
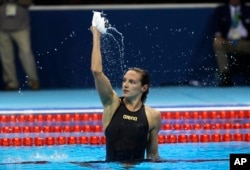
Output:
x=110 y=100
x=102 y=83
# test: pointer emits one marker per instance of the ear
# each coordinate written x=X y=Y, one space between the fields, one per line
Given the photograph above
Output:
x=144 y=88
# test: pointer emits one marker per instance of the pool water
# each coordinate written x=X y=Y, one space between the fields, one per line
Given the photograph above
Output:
x=61 y=146
x=183 y=156
x=183 y=153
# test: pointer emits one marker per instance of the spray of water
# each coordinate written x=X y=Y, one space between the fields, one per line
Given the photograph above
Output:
x=56 y=156
x=24 y=84
x=120 y=46
x=112 y=40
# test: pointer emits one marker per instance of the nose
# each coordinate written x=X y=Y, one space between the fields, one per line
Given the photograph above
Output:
x=125 y=84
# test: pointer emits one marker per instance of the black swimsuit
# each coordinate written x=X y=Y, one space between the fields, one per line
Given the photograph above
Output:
x=126 y=135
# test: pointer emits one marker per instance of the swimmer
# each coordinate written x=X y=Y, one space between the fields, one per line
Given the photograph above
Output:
x=131 y=128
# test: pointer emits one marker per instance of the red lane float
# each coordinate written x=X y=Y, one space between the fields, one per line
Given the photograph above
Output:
x=205 y=126
x=100 y=140
x=85 y=128
x=228 y=114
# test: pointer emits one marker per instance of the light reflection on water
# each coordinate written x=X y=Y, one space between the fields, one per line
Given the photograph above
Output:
x=176 y=156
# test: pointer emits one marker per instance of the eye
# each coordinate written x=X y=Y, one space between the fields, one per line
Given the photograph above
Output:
x=132 y=81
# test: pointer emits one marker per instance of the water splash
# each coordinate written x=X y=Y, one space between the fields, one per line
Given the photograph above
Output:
x=112 y=40
x=120 y=46
x=56 y=156
x=52 y=51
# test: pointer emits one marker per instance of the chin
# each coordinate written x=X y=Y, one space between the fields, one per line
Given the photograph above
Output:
x=125 y=95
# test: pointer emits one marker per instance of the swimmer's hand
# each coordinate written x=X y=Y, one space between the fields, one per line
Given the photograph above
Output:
x=100 y=22
x=95 y=31
x=153 y=158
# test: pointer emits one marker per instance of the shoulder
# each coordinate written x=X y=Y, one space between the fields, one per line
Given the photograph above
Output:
x=152 y=113
x=154 y=118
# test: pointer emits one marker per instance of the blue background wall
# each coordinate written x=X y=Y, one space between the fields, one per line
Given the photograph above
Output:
x=174 y=45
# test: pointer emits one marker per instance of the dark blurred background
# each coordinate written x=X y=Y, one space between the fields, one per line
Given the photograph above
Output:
x=181 y=50
x=72 y=2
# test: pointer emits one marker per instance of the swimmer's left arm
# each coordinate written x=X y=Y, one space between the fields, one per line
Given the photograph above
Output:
x=152 y=148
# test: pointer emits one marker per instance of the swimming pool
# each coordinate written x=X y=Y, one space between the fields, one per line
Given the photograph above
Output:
x=200 y=128
x=188 y=140
x=182 y=156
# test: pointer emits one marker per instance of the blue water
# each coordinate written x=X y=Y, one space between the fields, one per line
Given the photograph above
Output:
x=170 y=97
x=183 y=156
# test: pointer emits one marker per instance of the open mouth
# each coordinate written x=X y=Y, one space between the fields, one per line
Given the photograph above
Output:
x=125 y=91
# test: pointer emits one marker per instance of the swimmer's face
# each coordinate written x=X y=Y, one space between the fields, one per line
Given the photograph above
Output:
x=131 y=85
